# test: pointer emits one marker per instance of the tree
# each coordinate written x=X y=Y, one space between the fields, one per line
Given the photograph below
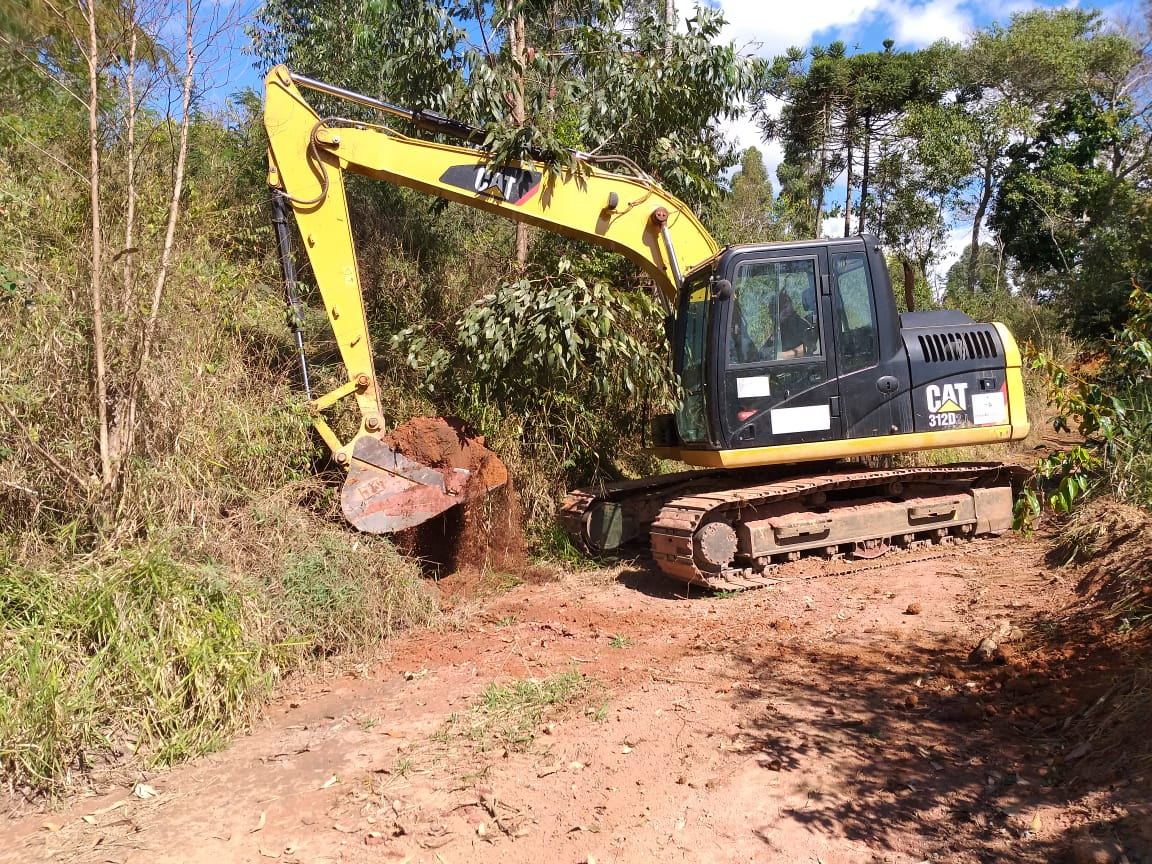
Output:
x=813 y=97
x=910 y=221
x=989 y=271
x=1008 y=77
x=747 y=213
x=836 y=111
x=544 y=77
x=1071 y=208
x=97 y=61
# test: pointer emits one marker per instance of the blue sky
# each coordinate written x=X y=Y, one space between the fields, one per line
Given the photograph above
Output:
x=768 y=29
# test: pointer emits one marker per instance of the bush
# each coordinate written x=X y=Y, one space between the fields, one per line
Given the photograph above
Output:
x=108 y=660
x=1112 y=409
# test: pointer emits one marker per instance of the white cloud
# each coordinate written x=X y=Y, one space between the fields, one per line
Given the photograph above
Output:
x=833 y=226
x=957 y=240
x=747 y=134
x=918 y=25
x=769 y=29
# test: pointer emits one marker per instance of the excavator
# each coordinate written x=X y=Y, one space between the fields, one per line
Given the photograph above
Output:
x=794 y=365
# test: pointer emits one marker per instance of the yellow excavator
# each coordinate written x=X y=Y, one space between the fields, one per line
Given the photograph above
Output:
x=793 y=361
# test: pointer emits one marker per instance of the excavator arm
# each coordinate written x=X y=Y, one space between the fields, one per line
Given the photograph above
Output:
x=623 y=211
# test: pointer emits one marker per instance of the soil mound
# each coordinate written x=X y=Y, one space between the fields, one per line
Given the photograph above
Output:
x=486 y=532
x=444 y=443
x=1115 y=541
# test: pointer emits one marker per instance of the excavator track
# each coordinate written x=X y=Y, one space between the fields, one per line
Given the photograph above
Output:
x=707 y=533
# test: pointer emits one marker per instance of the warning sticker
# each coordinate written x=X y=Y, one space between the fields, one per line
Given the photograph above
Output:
x=989 y=409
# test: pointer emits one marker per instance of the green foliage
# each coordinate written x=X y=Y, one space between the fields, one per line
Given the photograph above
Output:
x=332 y=602
x=747 y=213
x=568 y=359
x=1113 y=411
x=656 y=97
x=837 y=108
x=583 y=83
x=143 y=623
x=157 y=653
x=1067 y=214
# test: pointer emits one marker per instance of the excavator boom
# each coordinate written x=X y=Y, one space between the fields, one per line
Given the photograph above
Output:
x=387 y=488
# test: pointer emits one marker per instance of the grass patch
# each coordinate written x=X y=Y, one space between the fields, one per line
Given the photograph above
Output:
x=338 y=592
x=162 y=652
x=510 y=715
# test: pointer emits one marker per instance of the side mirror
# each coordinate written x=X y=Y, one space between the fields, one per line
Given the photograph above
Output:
x=721 y=289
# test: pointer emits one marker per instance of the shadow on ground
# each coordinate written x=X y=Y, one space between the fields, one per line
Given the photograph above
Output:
x=976 y=759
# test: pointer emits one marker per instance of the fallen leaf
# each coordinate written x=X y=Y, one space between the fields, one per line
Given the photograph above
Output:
x=110 y=807
x=331 y=781
x=90 y=819
x=260 y=824
x=268 y=854
x=625 y=749
x=52 y=826
x=143 y=790
x=1035 y=826
x=344 y=829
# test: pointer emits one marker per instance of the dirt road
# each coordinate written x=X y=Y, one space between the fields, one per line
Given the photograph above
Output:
x=832 y=719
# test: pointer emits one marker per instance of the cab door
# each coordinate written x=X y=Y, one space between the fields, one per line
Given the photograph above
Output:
x=777 y=374
x=871 y=360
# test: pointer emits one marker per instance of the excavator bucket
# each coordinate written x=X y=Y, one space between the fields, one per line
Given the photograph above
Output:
x=417 y=471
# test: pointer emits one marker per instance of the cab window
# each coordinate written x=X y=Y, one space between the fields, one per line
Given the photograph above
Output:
x=856 y=346
x=775 y=314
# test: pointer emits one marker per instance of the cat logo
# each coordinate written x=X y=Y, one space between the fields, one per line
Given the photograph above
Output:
x=947 y=404
x=515 y=185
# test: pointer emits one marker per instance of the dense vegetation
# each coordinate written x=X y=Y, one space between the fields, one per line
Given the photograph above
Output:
x=169 y=544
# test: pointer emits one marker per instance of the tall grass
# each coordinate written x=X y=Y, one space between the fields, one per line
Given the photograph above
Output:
x=140 y=656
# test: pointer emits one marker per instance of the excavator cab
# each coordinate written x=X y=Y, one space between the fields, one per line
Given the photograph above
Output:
x=802 y=345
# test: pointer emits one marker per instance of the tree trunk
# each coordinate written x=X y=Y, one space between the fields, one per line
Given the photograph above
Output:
x=148 y=336
x=130 y=157
x=518 y=47
x=819 y=216
x=848 y=184
x=978 y=219
x=669 y=26
x=864 y=171
x=93 y=59
x=909 y=283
